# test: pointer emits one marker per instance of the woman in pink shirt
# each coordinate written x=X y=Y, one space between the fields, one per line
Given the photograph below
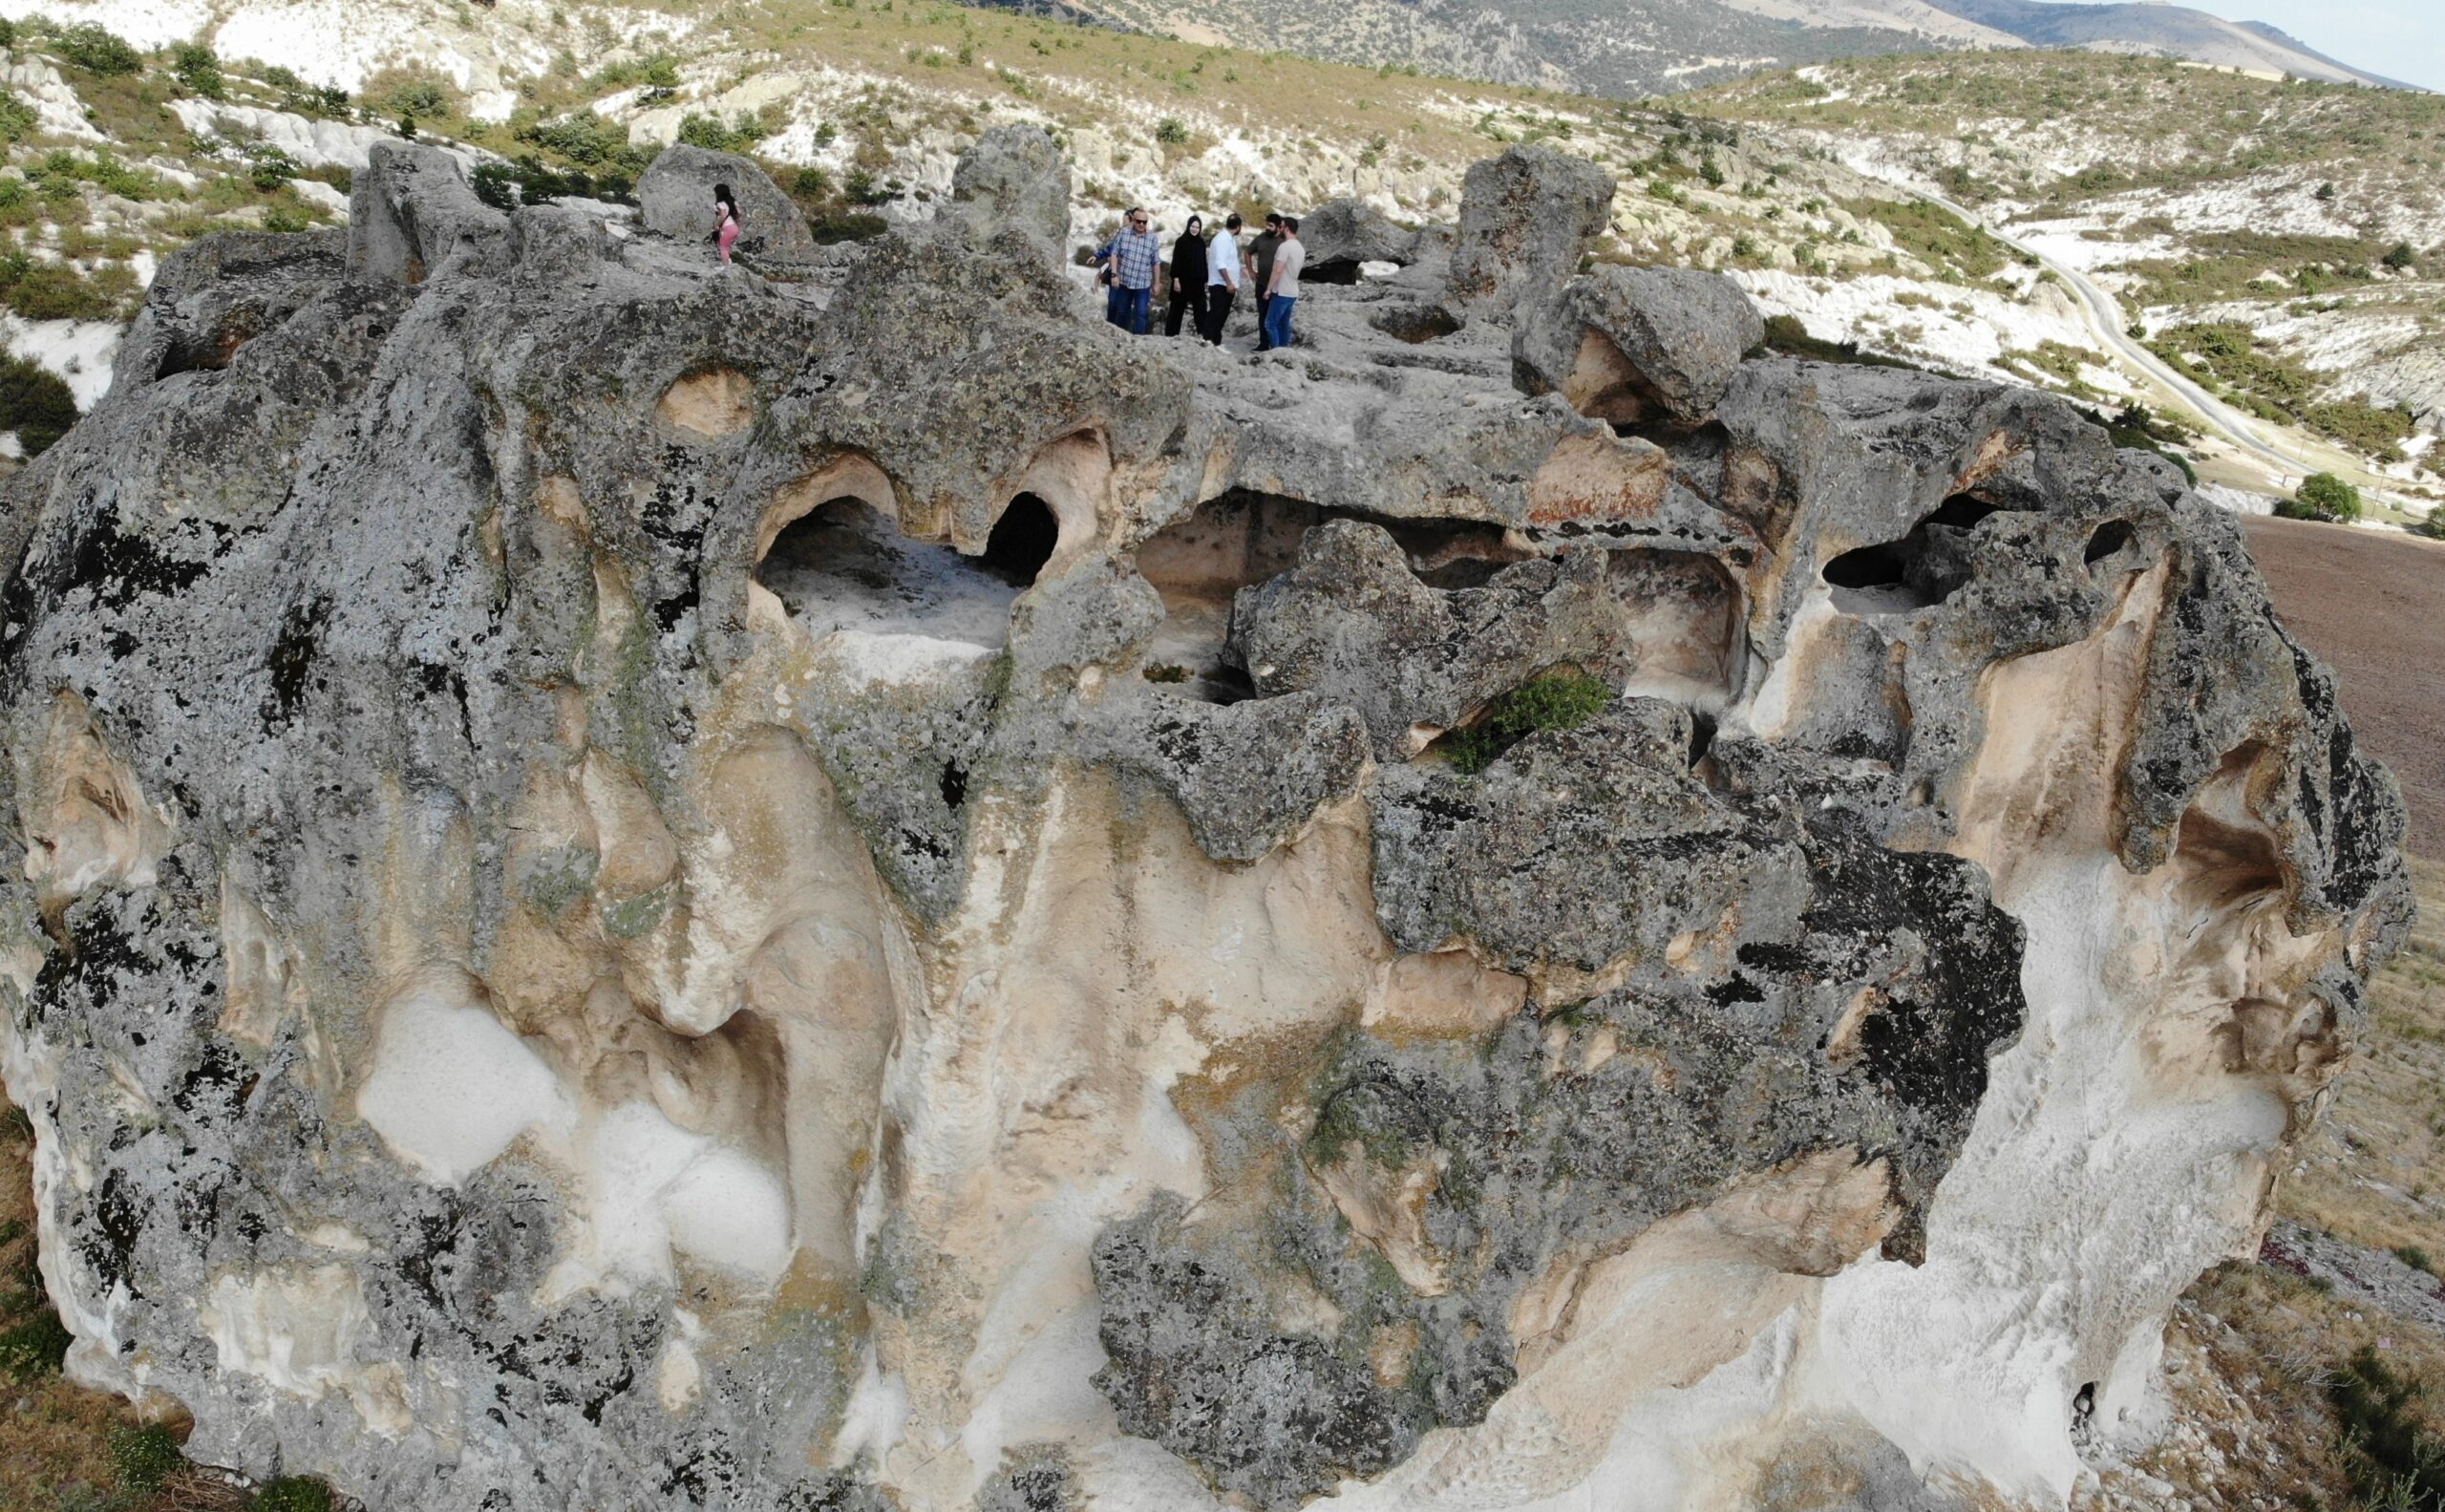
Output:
x=726 y=218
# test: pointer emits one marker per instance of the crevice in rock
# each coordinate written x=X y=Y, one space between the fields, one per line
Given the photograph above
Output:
x=1921 y=569
x=1343 y=270
x=2105 y=541
x=1416 y=324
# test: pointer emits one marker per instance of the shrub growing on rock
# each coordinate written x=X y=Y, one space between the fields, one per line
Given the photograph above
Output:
x=1556 y=701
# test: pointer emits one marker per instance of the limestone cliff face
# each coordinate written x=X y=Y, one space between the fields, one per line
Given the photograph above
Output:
x=633 y=885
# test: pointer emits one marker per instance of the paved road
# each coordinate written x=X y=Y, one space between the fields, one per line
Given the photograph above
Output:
x=2105 y=316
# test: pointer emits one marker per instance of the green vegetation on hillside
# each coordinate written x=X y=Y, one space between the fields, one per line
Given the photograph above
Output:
x=75 y=215
x=2123 y=123
x=2232 y=361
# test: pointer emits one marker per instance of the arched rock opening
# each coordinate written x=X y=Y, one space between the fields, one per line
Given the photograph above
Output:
x=1022 y=541
x=844 y=566
x=1241 y=538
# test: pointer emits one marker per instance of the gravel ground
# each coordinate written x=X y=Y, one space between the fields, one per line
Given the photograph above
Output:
x=2372 y=605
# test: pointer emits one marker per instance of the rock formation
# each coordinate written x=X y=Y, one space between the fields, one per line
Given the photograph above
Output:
x=631 y=886
x=675 y=199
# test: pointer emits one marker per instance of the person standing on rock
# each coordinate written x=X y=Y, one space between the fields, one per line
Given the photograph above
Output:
x=1222 y=279
x=1128 y=261
x=1282 y=290
x=1260 y=270
x=1188 y=279
x=725 y=220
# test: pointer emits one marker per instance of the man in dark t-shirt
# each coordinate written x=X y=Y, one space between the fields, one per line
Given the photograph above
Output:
x=1260 y=251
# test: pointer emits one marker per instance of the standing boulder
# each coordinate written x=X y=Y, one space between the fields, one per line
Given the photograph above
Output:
x=1340 y=234
x=676 y=197
x=1635 y=345
x=1015 y=176
x=1526 y=218
x=411 y=211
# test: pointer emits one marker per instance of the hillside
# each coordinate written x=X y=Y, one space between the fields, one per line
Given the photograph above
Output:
x=2283 y=243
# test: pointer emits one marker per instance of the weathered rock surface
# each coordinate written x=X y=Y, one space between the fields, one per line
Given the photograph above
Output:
x=629 y=886
x=1637 y=344
x=1015 y=176
x=1526 y=219
x=676 y=197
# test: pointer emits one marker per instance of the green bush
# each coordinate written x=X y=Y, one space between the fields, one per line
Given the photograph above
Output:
x=294 y=1493
x=2393 y=1458
x=34 y=1345
x=2433 y=526
x=581 y=136
x=2325 y=496
x=2400 y=256
x=194 y=64
x=420 y=98
x=1171 y=131
x=53 y=290
x=2415 y=1257
x=97 y=50
x=1555 y=701
x=699 y=130
x=143 y=1458
x=35 y=403
x=17 y=119
x=269 y=167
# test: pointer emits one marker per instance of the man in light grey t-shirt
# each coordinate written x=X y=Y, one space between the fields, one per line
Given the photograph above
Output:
x=1282 y=288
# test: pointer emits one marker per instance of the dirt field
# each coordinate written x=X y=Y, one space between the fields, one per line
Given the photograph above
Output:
x=2373 y=607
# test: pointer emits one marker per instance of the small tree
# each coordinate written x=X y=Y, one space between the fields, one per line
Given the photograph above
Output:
x=2399 y=257
x=1171 y=131
x=2325 y=496
x=196 y=67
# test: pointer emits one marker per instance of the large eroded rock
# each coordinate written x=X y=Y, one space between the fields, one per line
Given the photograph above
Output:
x=632 y=887
x=1526 y=218
x=676 y=197
x=1637 y=344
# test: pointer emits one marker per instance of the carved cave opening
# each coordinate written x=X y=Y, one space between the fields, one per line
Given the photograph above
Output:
x=1921 y=569
x=844 y=566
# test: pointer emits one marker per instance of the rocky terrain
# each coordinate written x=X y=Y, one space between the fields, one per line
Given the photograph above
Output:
x=831 y=884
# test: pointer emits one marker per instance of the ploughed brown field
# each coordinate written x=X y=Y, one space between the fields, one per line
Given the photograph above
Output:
x=2372 y=605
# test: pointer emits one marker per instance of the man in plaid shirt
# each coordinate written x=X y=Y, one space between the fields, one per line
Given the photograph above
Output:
x=1128 y=261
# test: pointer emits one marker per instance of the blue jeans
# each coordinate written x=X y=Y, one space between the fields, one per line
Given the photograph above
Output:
x=1126 y=307
x=1277 y=320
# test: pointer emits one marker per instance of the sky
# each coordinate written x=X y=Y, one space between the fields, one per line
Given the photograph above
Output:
x=2401 y=39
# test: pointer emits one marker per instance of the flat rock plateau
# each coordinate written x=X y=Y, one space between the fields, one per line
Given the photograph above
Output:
x=829 y=885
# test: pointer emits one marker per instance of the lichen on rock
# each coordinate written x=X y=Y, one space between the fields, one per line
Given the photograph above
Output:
x=630 y=886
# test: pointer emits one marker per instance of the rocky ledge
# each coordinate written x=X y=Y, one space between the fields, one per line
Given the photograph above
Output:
x=831 y=885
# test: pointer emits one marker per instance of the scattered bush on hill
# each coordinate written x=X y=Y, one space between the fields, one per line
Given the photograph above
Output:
x=35 y=403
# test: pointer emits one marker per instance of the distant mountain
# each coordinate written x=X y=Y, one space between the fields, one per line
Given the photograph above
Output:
x=1634 y=47
x=2169 y=29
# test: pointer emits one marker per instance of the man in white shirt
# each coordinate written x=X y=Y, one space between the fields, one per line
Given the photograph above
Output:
x=1222 y=279
x=1282 y=290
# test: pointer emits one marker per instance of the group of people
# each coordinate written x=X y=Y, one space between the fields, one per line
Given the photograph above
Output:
x=1205 y=274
